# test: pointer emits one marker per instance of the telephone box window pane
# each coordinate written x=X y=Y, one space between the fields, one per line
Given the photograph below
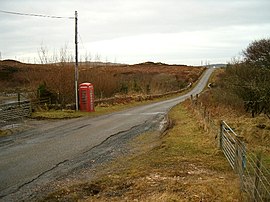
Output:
x=84 y=98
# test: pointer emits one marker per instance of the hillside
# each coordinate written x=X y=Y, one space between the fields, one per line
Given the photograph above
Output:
x=108 y=79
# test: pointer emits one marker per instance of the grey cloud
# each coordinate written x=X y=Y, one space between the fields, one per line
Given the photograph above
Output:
x=109 y=19
x=171 y=16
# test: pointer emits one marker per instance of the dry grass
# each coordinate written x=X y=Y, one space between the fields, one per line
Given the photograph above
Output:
x=100 y=109
x=3 y=133
x=183 y=165
x=255 y=131
x=69 y=114
x=145 y=78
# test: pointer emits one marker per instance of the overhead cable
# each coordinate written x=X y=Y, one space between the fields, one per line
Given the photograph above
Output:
x=35 y=15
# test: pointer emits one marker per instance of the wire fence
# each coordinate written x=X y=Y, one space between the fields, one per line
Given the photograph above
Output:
x=207 y=122
x=254 y=177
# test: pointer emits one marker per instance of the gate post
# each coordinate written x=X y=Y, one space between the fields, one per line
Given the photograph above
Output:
x=221 y=135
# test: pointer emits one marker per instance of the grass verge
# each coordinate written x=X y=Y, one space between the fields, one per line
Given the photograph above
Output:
x=183 y=165
x=99 y=110
x=68 y=114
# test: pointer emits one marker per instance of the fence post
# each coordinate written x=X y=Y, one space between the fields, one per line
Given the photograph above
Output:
x=257 y=177
x=30 y=107
x=204 y=112
x=19 y=98
x=220 y=135
x=192 y=101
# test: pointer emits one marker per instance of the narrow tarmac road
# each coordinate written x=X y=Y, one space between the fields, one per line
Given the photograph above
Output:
x=27 y=156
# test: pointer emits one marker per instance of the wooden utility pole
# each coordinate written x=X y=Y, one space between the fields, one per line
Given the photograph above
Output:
x=76 y=60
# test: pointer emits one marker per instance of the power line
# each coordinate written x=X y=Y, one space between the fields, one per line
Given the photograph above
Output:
x=35 y=15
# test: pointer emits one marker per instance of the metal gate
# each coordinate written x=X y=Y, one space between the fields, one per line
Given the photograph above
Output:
x=232 y=146
x=253 y=175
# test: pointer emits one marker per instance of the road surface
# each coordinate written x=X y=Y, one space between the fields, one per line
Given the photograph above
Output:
x=26 y=157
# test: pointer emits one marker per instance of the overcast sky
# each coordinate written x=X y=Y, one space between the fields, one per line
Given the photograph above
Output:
x=133 y=31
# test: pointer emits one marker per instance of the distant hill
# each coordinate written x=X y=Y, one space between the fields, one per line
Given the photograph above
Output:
x=109 y=78
x=8 y=68
x=149 y=63
x=10 y=62
x=217 y=65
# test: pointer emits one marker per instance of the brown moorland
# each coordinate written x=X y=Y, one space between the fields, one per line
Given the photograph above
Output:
x=108 y=79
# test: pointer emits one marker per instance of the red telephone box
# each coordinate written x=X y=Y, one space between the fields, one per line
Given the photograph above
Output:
x=86 y=95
